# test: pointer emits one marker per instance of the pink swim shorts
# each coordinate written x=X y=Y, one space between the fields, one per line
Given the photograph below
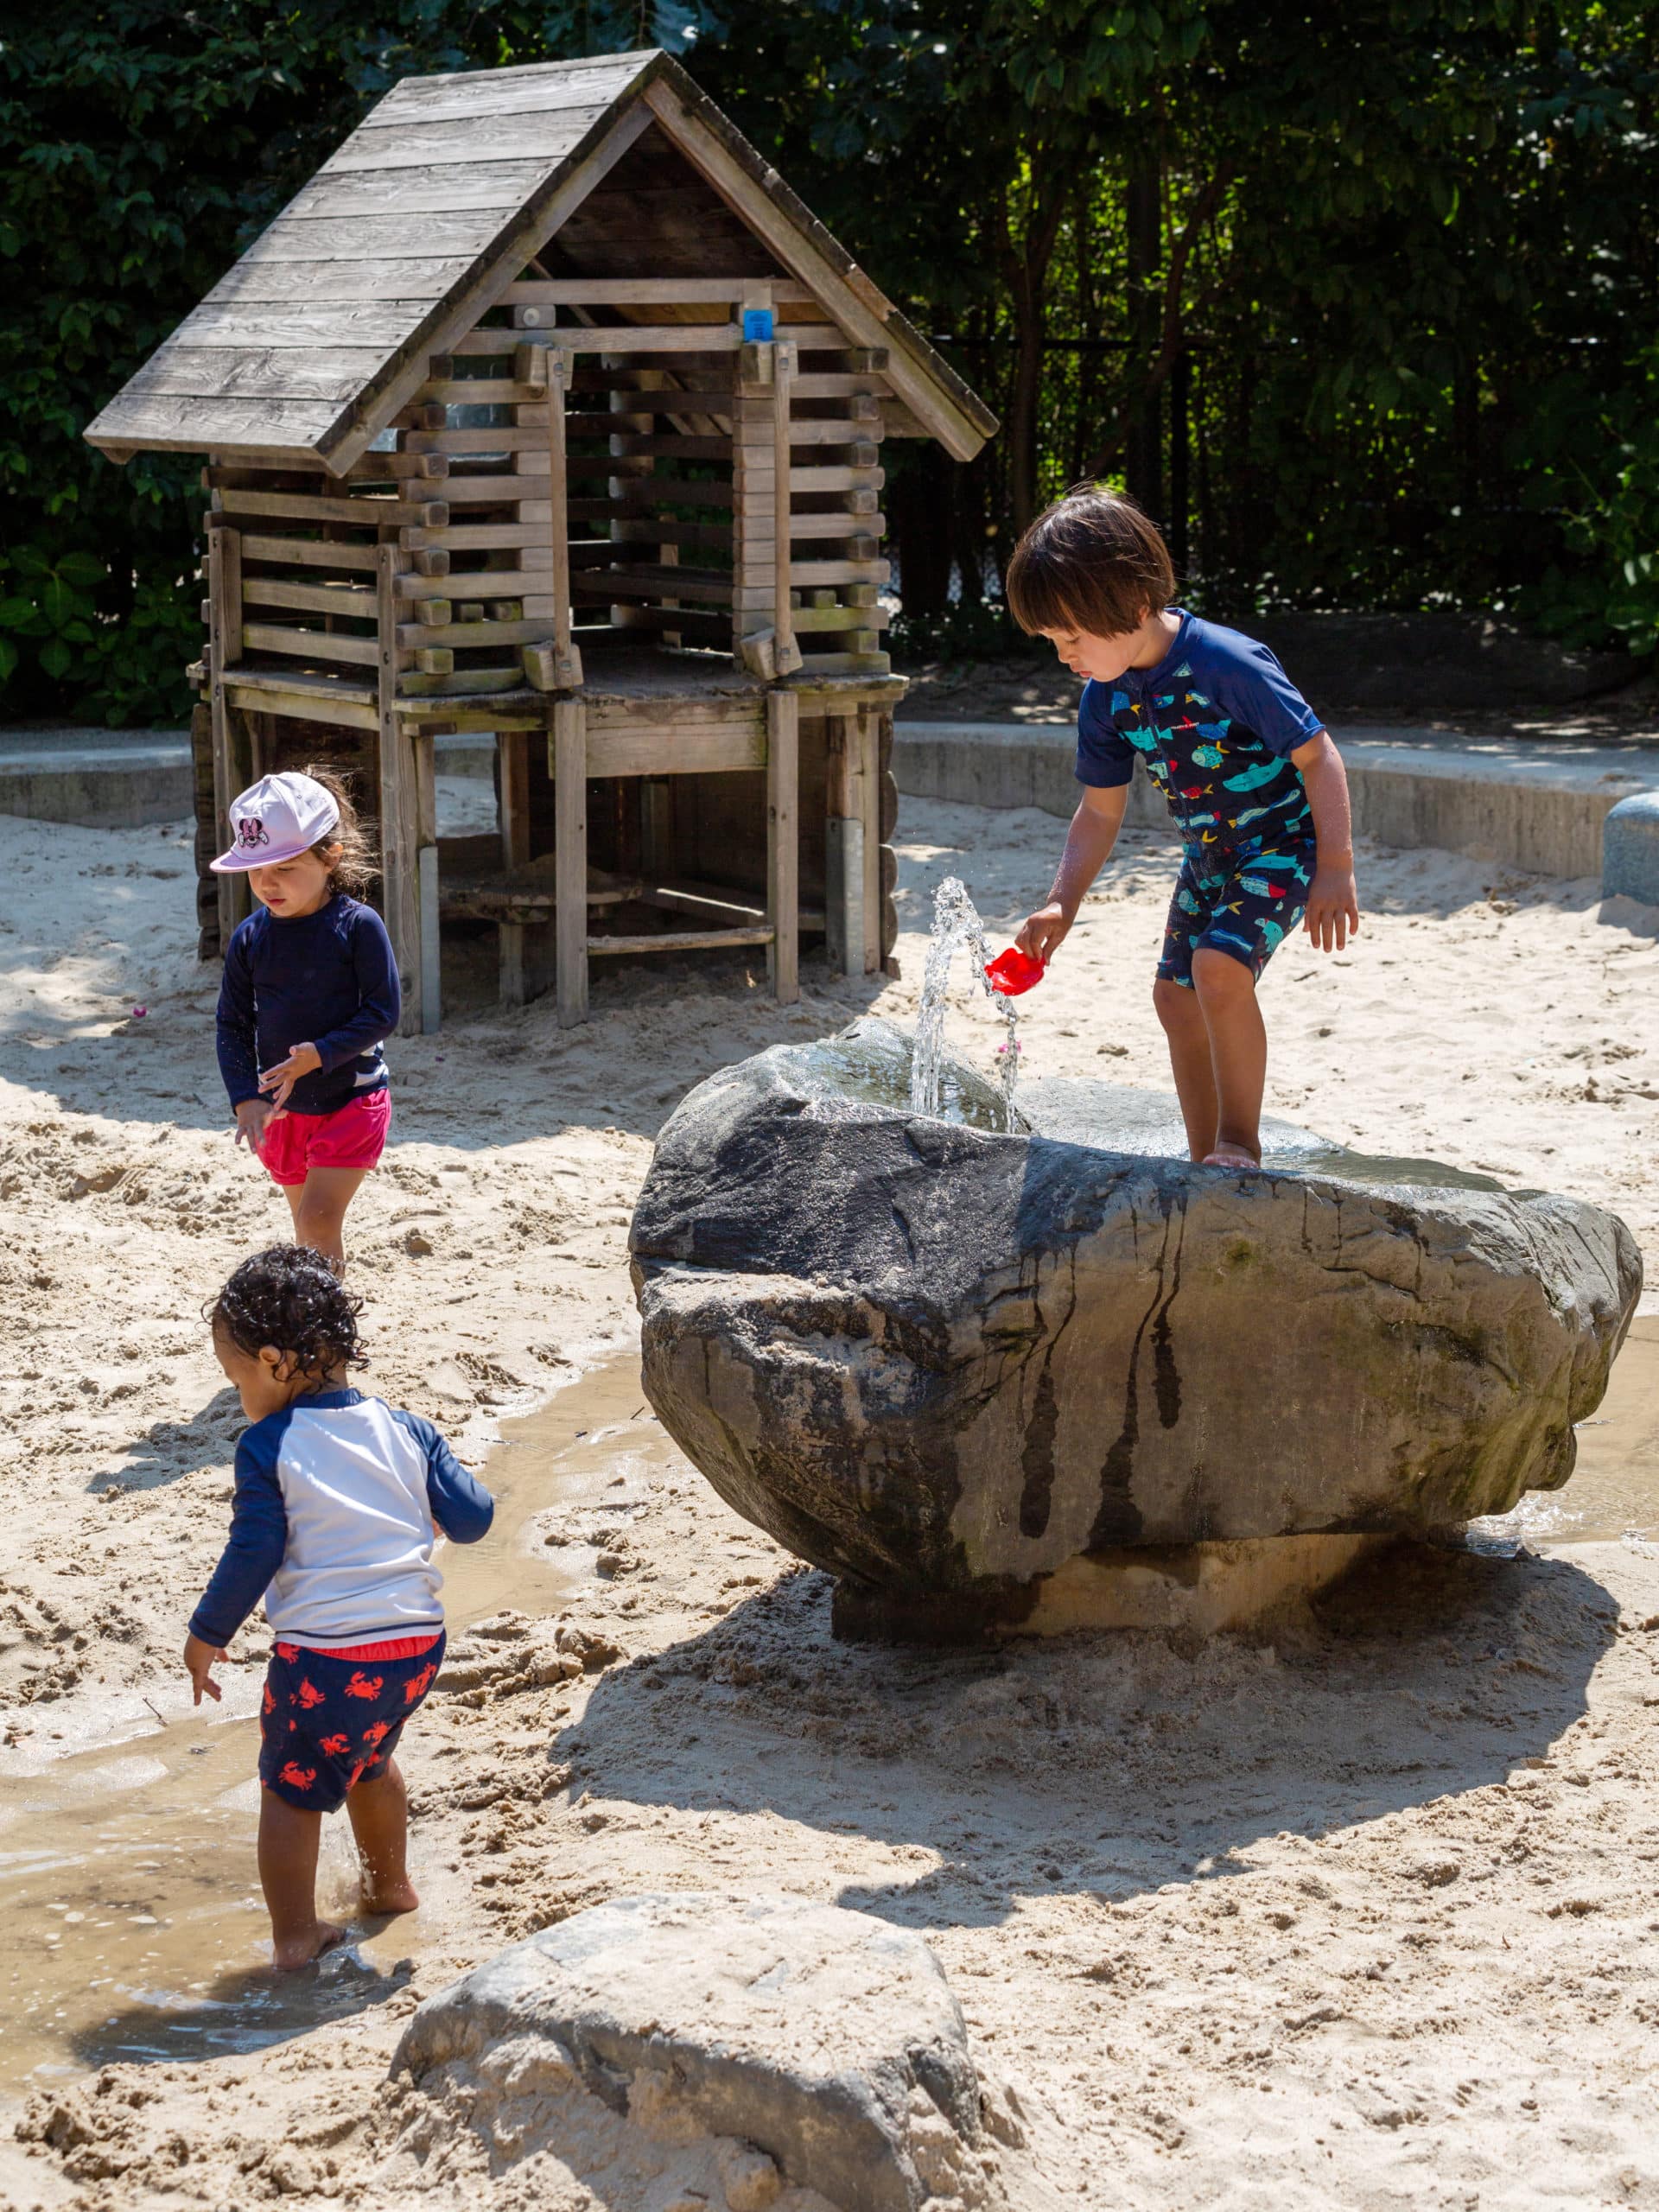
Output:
x=353 y=1136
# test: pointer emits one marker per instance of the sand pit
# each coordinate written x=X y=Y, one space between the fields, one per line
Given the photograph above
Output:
x=1356 y=1912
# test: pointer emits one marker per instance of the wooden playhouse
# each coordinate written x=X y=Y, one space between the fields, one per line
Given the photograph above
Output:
x=546 y=409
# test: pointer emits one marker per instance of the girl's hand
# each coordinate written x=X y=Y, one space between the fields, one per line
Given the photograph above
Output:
x=1333 y=906
x=253 y=1117
x=302 y=1060
x=1044 y=932
x=198 y=1659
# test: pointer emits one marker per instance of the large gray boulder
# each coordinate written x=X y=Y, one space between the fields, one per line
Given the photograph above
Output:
x=931 y=1356
x=768 y=2050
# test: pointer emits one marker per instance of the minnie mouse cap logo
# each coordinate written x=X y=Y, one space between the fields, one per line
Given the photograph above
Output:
x=277 y=819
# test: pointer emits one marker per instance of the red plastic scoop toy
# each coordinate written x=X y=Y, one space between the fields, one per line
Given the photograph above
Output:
x=1013 y=972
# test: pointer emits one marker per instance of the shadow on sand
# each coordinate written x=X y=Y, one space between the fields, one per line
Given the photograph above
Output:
x=1106 y=1766
x=167 y=1451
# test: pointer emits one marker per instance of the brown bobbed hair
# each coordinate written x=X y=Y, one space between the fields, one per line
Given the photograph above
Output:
x=1091 y=562
x=356 y=868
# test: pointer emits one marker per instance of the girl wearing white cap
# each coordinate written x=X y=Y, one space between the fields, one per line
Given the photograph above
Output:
x=311 y=993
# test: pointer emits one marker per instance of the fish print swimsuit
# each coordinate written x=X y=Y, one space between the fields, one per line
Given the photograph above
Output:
x=1215 y=722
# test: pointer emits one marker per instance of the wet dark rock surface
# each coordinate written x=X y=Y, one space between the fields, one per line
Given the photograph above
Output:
x=934 y=1359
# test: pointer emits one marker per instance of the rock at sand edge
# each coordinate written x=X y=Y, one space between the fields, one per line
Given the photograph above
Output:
x=827 y=2040
x=938 y=1360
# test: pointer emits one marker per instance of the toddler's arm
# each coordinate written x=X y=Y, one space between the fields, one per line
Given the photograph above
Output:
x=460 y=1505
x=257 y=1540
x=1088 y=847
x=381 y=999
x=238 y=1058
x=1332 y=898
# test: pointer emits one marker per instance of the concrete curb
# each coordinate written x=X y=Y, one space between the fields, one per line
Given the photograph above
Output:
x=1535 y=805
x=98 y=780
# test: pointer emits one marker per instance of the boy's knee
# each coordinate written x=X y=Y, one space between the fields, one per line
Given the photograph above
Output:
x=1172 y=1002
x=1217 y=974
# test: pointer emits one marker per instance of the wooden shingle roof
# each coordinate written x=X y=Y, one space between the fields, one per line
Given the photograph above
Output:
x=411 y=229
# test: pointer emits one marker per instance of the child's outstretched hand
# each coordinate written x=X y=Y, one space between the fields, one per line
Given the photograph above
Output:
x=1043 y=931
x=304 y=1059
x=198 y=1659
x=1333 y=914
x=253 y=1117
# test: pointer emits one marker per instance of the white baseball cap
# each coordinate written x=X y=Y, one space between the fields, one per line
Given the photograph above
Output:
x=277 y=819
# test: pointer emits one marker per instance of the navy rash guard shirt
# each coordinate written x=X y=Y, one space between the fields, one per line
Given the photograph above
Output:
x=337 y=1499
x=1215 y=722
x=327 y=979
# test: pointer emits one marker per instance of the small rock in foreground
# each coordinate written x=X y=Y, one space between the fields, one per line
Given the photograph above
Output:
x=767 y=2054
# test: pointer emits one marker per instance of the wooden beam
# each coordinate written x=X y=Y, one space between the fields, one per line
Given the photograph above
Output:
x=843 y=849
x=570 y=768
x=682 y=941
x=369 y=512
x=311 y=644
x=868 y=741
x=513 y=754
x=308 y=553
x=567 y=661
x=786 y=654
x=400 y=855
x=783 y=843
x=357 y=600
x=225 y=595
x=677 y=752
x=299 y=706
x=639 y=291
x=423 y=746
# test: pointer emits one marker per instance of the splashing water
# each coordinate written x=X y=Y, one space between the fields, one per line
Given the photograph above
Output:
x=955 y=922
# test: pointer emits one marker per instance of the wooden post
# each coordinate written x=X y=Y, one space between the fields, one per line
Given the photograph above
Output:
x=783 y=843
x=400 y=850
x=787 y=653
x=426 y=831
x=224 y=572
x=570 y=857
x=512 y=751
x=869 y=813
x=656 y=830
x=843 y=848
x=567 y=661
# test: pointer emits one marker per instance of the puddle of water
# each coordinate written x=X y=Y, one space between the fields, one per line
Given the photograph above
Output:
x=131 y=1923
x=1614 y=1488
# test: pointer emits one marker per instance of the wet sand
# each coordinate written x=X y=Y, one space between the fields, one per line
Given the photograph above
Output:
x=1355 y=1912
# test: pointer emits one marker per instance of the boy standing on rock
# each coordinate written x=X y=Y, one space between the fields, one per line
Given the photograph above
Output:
x=1252 y=779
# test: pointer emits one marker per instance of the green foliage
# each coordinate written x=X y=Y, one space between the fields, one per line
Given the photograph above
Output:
x=1595 y=466
x=1395 y=265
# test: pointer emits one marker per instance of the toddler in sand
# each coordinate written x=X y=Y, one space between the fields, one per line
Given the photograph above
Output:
x=1255 y=784
x=310 y=994
x=338 y=1497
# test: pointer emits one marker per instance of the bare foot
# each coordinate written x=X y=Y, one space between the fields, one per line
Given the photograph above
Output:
x=1235 y=1156
x=296 y=1951
x=390 y=1896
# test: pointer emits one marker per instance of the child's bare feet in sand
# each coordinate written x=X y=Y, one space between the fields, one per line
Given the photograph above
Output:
x=388 y=1897
x=297 y=1948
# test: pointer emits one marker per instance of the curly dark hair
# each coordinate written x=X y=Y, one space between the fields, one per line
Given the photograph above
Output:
x=290 y=1297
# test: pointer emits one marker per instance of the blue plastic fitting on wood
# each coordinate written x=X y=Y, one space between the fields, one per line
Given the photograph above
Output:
x=757 y=325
